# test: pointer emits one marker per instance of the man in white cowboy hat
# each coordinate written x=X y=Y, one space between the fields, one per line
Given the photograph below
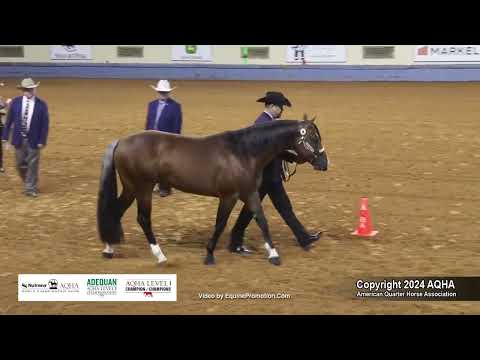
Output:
x=30 y=119
x=164 y=114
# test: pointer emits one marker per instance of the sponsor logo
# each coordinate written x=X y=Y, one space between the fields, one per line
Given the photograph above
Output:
x=53 y=284
x=34 y=287
x=448 y=51
x=70 y=48
x=299 y=52
x=148 y=287
x=67 y=287
x=102 y=286
x=454 y=50
x=68 y=52
x=423 y=51
x=191 y=49
x=97 y=287
x=50 y=286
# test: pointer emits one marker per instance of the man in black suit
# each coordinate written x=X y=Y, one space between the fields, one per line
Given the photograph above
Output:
x=272 y=184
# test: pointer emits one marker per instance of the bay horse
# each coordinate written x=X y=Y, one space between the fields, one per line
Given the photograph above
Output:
x=228 y=165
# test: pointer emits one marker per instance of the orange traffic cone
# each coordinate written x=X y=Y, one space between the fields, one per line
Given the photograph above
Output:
x=365 y=227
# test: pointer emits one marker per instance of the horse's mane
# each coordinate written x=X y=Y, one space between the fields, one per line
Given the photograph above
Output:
x=252 y=140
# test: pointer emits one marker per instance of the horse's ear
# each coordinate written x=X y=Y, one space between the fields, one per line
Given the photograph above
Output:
x=313 y=120
x=305 y=118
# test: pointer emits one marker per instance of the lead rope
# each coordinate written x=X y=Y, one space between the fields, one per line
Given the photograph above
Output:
x=286 y=171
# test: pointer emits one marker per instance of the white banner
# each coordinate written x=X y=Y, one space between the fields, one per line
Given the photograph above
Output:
x=71 y=52
x=316 y=53
x=450 y=53
x=191 y=52
x=97 y=287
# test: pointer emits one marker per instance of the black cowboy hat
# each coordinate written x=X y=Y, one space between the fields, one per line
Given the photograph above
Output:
x=275 y=98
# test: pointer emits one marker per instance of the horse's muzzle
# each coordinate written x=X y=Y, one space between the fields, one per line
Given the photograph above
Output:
x=321 y=162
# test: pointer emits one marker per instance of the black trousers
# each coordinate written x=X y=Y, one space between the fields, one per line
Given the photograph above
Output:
x=1 y=145
x=280 y=200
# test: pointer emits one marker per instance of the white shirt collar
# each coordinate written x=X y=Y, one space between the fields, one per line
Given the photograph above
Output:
x=266 y=112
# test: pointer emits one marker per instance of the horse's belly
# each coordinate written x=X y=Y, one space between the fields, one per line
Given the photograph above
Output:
x=201 y=183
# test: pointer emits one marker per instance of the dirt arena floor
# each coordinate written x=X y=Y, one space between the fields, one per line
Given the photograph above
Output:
x=412 y=148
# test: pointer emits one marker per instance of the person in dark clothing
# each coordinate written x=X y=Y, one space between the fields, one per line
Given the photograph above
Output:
x=272 y=185
x=3 y=112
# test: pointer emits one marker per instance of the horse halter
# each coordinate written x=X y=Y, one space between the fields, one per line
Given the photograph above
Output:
x=306 y=144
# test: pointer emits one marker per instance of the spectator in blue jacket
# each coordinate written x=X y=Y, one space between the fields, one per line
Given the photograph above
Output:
x=164 y=114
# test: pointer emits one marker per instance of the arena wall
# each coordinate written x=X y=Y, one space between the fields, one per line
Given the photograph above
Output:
x=227 y=64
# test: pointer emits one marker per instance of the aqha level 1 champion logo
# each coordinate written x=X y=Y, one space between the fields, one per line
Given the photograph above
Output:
x=148 y=287
x=102 y=287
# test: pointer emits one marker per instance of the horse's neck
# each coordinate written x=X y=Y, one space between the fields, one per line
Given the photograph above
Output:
x=273 y=149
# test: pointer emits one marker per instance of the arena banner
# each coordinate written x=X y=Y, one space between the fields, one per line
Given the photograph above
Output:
x=192 y=53
x=97 y=287
x=316 y=54
x=71 y=52
x=447 y=53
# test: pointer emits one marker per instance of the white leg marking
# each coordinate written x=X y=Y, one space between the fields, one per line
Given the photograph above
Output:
x=272 y=253
x=157 y=252
x=108 y=249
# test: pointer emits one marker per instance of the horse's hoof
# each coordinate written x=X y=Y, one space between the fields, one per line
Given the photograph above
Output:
x=209 y=260
x=275 y=260
x=107 y=255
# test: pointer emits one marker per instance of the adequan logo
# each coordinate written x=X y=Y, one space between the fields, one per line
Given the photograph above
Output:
x=102 y=286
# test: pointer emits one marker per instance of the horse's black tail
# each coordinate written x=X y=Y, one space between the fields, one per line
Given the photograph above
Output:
x=108 y=221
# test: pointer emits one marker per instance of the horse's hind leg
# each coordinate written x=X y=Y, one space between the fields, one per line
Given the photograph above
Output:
x=255 y=205
x=223 y=213
x=124 y=202
x=144 y=203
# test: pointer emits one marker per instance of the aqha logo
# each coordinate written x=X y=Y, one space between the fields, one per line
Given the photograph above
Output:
x=148 y=294
x=70 y=48
x=423 y=51
x=53 y=284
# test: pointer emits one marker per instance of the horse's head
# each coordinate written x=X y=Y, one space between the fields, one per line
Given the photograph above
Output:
x=308 y=145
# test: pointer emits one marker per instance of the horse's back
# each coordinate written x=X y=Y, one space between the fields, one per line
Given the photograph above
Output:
x=154 y=153
x=197 y=165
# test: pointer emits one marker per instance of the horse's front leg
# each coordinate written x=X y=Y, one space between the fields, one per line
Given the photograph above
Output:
x=255 y=205
x=225 y=208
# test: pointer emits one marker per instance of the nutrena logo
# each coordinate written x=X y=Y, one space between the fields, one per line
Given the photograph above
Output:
x=104 y=282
